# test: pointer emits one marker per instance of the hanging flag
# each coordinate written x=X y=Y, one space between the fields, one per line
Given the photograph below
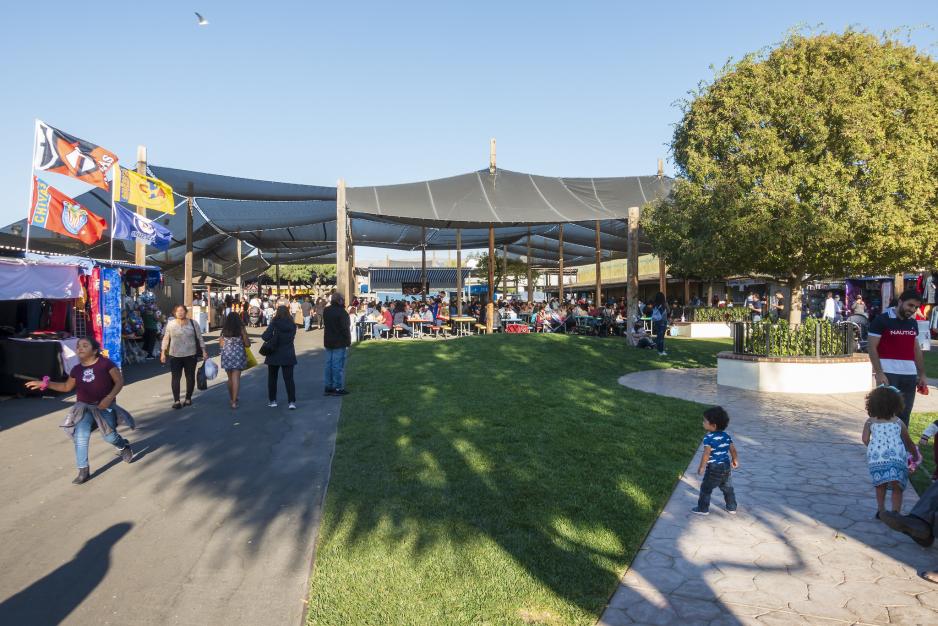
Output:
x=143 y=191
x=129 y=225
x=55 y=211
x=66 y=154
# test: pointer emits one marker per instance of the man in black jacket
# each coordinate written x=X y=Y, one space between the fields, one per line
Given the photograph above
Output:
x=337 y=338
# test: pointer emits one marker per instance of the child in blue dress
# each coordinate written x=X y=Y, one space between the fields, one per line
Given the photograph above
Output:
x=718 y=461
x=888 y=445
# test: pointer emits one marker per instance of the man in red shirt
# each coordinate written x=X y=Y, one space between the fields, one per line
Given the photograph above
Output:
x=894 y=351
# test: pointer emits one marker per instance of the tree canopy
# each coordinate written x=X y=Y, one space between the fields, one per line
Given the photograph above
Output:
x=516 y=269
x=817 y=158
x=309 y=274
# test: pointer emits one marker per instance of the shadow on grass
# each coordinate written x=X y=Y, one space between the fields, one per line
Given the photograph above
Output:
x=512 y=476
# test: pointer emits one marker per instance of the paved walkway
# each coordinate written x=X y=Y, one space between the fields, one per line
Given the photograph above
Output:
x=214 y=522
x=803 y=549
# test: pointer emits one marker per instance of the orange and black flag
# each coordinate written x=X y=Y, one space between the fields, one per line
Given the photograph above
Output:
x=62 y=153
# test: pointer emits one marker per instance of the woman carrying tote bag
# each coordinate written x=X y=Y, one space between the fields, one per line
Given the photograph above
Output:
x=182 y=344
x=280 y=355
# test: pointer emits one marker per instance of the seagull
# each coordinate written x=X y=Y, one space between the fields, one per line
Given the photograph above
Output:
x=202 y=20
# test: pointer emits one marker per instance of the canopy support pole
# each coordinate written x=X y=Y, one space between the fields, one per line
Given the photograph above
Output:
x=560 y=271
x=599 y=269
x=632 y=263
x=458 y=271
x=423 y=262
x=277 y=273
x=898 y=285
x=686 y=292
x=490 y=305
x=187 y=270
x=208 y=304
x=140 y=248
x=341 y=241
x=709 y=301
x=238 y=278
x=505 y=266
x=530 y=287
x=352 y=284
x=662 y=277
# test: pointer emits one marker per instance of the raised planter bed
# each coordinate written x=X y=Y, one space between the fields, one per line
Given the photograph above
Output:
x=703 y=330
x=798 y=374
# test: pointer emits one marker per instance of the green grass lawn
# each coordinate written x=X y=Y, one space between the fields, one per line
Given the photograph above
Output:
x=921 y=479
x=931 y=363
x=503 y=479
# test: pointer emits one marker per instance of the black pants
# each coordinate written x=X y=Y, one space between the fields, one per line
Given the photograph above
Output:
x=287 y=380
x=906 y=384
x=176 y=365
x=149 y=340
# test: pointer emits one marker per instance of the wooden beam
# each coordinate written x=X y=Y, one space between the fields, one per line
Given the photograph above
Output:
x=277 y=273
x=492 y=167
x=187 y=269
x=238 y=277
x=505 y=267
x=140 y=249
x=599 y=268
x=352 y=283
x=686 y=292
x=458 y=271
x=898 y=286
x=560 y=271
x=662 y=277
x=632 y=262
x=490 y=306
x=341 y=241
x=530 y=287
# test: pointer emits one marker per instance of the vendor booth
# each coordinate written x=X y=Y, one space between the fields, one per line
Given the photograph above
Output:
x=48 y=302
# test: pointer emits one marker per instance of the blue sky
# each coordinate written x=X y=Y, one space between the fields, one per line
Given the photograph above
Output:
x=381 y=92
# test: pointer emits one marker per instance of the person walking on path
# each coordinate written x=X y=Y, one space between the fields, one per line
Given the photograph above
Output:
x=320 y=307
x=659 y=321
x=337 y=338
x=151 y=330
x=895 y=354
x=718 y=462
x=182 y=343
x=96 y=381
x=307 y=308
x=887 y=443
x=281 y=333
x=234 y=342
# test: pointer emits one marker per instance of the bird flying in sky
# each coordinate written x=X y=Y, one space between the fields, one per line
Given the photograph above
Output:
x=202 y=20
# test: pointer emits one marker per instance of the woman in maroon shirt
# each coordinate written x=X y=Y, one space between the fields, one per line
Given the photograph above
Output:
x=96 y=381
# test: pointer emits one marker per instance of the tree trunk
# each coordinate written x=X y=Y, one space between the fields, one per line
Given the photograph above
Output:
x=797 y=292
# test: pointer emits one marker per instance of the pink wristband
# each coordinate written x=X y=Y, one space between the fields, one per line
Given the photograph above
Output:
x=45 y=383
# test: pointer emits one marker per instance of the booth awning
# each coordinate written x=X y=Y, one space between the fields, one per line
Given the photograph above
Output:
x=23 y=280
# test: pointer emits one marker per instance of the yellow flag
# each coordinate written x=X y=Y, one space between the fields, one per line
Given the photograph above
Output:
x=143 y=191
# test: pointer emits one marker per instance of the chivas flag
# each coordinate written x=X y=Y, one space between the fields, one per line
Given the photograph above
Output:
x=129 y=225
x=65 y=154
x=55 y=211
x=142 y=191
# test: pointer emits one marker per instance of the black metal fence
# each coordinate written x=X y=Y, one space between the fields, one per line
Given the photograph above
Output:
x=813 y=338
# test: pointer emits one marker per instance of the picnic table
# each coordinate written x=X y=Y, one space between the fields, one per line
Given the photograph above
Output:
x=462 y=325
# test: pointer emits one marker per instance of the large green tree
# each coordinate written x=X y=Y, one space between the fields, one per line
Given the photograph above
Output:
x=308 y=274
x=816 y=158
x=516 y=269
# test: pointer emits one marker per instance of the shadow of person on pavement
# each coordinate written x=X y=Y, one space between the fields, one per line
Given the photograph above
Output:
x=52 y=598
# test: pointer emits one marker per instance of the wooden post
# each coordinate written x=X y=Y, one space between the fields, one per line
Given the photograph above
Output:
x=686 y=292
x=187 y=269
x=490 y=306
x=341 y=241
x=492 y=167
x=140 y=249
x=560 y=263
x=208 y=304
x=458 y=272
x=709 y=301
x=898 y=286
x=632 y=262
x=598 y=301
x=352 y=283
x=662 y=277
x=423 y=262
x=277 y=272
x=530 y=288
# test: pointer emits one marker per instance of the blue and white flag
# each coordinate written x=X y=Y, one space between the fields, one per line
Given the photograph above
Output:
x=129 y=225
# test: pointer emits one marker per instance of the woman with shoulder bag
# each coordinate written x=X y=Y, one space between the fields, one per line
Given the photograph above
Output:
x=659 y=321
x=234 y=342
x=280 y=354
x=182 y=344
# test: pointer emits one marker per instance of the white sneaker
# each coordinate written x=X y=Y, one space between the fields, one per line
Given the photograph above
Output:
x=292 y=406
x=273 y=404
x=662 y=353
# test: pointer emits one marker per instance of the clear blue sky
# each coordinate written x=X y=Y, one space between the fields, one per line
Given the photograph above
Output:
x=381 y=92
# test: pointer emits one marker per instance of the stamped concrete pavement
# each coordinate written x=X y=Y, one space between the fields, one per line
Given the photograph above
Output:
x=804 y=548
x=214 y=522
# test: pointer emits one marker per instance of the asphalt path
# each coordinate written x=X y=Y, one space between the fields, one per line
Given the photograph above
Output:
x=214 y=522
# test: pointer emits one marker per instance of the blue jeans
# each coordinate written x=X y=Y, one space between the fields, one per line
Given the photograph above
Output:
x=377 y=329
x=659 y=328
x=83 y=435
x=335 y=368
x=307 y=320
x=717 y=475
